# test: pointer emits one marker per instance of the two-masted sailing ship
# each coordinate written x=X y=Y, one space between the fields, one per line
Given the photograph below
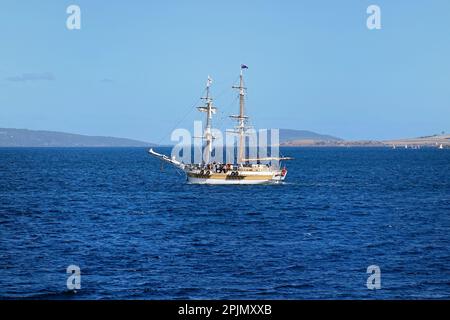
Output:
x=244 y=170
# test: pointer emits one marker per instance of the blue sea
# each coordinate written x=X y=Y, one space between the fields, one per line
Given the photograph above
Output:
x=138 y=231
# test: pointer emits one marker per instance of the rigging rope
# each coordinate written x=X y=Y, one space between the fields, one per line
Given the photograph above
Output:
x=183 y=118
x=193 y=107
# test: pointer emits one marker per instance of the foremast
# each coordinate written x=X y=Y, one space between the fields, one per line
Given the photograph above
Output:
x=209 y=109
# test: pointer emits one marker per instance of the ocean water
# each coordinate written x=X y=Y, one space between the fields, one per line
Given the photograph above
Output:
x=139 y=232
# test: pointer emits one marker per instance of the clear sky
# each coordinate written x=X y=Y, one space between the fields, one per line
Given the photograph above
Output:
x=137 y=67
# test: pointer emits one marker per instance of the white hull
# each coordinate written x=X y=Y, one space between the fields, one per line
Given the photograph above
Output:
x=243 y=178
x=193 y=180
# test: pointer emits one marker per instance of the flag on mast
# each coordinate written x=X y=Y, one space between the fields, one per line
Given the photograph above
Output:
x=243 y=66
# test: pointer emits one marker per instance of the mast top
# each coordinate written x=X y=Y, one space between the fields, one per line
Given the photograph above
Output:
x=209 y=107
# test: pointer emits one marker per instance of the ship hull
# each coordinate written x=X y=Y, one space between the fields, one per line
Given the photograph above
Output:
x=234 y=180
x=215 y=181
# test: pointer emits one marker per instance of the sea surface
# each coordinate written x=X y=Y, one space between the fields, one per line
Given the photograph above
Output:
x=138 y=231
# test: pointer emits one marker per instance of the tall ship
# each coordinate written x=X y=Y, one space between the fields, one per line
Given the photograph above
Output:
x=243 y=170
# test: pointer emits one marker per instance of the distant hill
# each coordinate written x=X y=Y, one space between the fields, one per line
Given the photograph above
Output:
x=37 y=138
x=287 y=135
x=430 y=141
x=328 y=141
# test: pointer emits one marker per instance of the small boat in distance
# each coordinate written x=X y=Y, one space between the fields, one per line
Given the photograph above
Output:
x=243 y=170
x=441 y=146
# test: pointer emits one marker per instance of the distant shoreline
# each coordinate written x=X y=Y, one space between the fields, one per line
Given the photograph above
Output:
x=24 y=138
x=11 y=137
x=281 y=146
x=422 y=142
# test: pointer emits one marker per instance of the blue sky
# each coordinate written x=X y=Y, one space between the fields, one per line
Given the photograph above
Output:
x=137 y=67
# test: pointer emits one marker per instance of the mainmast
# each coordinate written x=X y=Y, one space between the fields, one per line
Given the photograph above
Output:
x=241 y=118
x=210 y=109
